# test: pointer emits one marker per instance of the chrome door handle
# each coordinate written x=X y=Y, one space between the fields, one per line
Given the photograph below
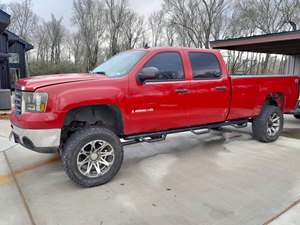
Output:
x=182 y=91
x=221 y=88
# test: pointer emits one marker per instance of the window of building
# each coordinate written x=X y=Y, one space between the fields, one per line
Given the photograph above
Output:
x=205 y=65
x=14 y=58
x=169 y=65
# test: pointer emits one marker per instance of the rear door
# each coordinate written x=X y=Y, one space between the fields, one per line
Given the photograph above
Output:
x=209 y=95
x=160 y=103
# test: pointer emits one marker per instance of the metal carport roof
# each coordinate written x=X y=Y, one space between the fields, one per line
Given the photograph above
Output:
x=286 y=43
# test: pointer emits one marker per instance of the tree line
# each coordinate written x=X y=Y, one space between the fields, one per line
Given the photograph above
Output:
x=103 y=28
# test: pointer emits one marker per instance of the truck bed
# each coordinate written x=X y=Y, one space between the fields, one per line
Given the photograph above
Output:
x=249 y=93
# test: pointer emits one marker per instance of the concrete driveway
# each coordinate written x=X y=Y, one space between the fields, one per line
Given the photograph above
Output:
x=213 y=179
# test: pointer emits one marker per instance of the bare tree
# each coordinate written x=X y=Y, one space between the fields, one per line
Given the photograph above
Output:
x=89 y=16
x=195 y=19
x=76 y=47
x=115 y=18
x=132 y=30
x=23 y=19
x=210 y=14
x=156 y=25
x=55 y=31
x=170 y=34
x=269 y=16
x=182 y=15
x=42 y=42
x=290 y=11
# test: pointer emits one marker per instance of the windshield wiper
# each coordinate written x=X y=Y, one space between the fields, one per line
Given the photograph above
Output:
x=99 y=72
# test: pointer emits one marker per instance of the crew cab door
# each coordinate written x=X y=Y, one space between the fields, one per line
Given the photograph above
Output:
x=160 y=103
x=209 y=95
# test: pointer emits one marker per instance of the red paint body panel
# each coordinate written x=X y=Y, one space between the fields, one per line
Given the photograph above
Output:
x=156 y=106
x=165 y=109
x=33 y=83
x=249 y=94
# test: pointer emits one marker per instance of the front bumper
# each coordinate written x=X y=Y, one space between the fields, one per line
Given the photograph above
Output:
x=39 y=140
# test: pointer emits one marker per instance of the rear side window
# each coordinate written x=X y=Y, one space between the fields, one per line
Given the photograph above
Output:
x=169 y=65
x=204 y=65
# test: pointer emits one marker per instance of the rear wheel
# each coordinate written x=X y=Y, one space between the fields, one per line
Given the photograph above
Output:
x=268 y=126
x=92 y=156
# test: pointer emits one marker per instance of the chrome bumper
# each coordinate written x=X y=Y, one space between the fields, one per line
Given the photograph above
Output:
x=39 y=140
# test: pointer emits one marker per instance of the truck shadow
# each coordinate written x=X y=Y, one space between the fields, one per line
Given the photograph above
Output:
x=291 y=133
x=184 y=144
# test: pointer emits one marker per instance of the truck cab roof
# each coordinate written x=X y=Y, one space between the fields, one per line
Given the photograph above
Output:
x=161 y=49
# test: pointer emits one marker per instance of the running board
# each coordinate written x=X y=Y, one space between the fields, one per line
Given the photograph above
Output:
x=145 y=139
x=151 y=139
x=200 y=131
x=148 y=137
x=239 y=126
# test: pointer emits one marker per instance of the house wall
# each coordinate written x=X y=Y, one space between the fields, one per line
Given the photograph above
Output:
x=14 y=67
x=3 y=43
x=4 y=78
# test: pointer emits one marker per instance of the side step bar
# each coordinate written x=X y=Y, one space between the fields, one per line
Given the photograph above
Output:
x=201 y=131
x=161 y=135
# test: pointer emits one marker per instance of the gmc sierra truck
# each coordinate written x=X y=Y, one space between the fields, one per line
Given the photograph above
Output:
x=142 y=96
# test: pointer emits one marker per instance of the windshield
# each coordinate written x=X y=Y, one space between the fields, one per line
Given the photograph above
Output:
x=120 y=64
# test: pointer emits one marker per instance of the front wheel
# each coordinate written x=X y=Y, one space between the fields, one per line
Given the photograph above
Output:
x=92 y=156
x=268 y=126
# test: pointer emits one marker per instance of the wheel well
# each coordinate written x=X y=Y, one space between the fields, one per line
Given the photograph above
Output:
x=275 y=99
x=108 y=116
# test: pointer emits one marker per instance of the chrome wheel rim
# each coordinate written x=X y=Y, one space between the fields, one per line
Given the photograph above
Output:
x=273 y=125
x=95 y=158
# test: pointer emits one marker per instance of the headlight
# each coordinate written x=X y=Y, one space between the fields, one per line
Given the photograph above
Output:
x=34 y=101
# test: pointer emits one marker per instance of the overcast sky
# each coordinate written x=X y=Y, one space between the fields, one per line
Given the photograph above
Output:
x=44 y=8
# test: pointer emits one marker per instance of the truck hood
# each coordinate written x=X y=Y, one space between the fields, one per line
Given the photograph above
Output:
x=33 y=83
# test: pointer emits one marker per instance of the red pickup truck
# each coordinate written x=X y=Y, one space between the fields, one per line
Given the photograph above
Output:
x=142 y=95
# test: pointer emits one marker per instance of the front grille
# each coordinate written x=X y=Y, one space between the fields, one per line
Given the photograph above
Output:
x=18 y=101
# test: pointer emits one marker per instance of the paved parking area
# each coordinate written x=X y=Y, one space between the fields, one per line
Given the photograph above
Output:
x=213 y=179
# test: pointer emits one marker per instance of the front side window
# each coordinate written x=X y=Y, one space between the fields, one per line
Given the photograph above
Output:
x=120 y=64
x=168 y=65
x=204 y=65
